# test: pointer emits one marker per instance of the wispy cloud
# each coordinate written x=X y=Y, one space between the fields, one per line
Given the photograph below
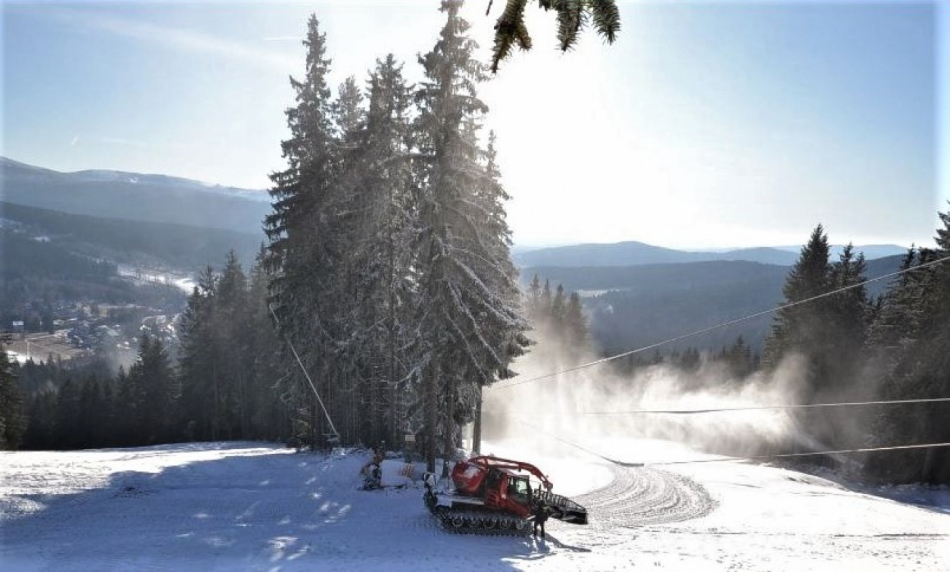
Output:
x=176 y=38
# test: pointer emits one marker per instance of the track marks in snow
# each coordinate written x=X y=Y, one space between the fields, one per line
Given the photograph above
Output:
x=643 y=496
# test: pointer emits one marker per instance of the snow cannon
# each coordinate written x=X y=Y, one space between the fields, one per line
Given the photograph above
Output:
x=494 y=496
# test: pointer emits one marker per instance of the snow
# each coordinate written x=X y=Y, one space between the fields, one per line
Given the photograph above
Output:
x=142 y=276
x=17 y=357
x=253 y=506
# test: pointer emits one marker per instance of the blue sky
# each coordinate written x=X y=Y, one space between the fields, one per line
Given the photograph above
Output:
x=709 y=124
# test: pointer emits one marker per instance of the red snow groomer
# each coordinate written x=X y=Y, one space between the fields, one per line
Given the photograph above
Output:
x=494 y=496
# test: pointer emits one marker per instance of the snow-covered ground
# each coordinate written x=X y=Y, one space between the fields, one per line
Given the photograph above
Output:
x=249 y=506
x=183 y=282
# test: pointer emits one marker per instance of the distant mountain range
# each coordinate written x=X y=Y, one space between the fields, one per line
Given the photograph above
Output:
x=135 y=196
x=632 y=253
x=635 y=293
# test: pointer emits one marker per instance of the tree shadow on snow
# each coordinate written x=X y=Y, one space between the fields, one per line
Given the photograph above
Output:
x=261 y=510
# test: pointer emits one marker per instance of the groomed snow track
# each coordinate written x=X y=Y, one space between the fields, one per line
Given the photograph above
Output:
x=644 y=496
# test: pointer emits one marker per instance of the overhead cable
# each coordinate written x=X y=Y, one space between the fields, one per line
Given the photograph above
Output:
x=307 y=375
x=733 y=459
x=763 y=407
x=554 y=374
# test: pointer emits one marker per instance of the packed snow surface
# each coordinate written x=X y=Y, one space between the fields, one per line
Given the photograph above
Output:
x=248 y=506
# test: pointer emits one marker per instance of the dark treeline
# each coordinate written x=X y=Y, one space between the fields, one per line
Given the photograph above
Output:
x=222 y=387
x=738 y=358
x=860 y=349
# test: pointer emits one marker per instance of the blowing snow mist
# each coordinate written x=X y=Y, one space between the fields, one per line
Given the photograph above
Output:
x=594 y=408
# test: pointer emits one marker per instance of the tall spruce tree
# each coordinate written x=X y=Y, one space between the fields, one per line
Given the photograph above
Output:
x=230 y=329
x=909 y=339
x=198 y=362
x=155 y=391
x=269 y=417
x=828 y=332
x=802 y=328
x=848 y=318
x=383 y=279
x=304 y=254
x=470 y=322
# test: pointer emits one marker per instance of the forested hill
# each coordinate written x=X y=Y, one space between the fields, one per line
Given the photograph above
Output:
x=132 y=242
x=634 y=306
x=134 y=196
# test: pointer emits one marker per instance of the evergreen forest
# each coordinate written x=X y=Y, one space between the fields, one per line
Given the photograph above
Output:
x=385 y=301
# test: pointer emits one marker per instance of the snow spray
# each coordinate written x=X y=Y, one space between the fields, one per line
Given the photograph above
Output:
x=593 y=407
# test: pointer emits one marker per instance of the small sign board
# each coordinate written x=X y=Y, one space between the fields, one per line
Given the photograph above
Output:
x=17 y=323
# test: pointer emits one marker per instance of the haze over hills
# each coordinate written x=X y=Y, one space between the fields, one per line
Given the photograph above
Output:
x=634 y=293
x=135 y=196
x=638 y=305
x=633 y=253
x=136 y=243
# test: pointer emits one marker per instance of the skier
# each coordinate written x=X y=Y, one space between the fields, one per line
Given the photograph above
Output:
x=540 y=516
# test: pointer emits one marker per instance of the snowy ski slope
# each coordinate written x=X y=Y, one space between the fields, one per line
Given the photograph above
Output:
x=250 y=506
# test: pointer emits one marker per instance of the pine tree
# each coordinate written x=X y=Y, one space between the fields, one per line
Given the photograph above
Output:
x=126 y=410
x=802 y=328
x=11 y=404
x=739 y=358
x=229 y=326
x=558 y=308
x=269 y=417
x=575 y=322
x=534 y=299
x=848 y=316
x=382 y=281
x=198 y=362
x=910 y=338
x=829 y=332
x=572 y=17
x=304 y=251
x=470 y=325
x=40 y=431
x=546 y=304
x=67 y=421
x=154 y=391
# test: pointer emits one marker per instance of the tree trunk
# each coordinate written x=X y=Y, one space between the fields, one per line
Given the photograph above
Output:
x=448 y=427
x=477 y=428
x=431 y=415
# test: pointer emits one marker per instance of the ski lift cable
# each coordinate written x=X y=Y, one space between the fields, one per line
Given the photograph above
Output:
x=764 y=407
x=727 y=459
x=732 y=459
x=306 y=374
x=601 y=361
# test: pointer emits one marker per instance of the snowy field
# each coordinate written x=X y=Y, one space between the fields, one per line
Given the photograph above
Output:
x=249 y=506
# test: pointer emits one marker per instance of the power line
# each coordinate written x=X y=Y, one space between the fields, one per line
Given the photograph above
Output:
x=812 y=454
x=306 y=374
x=720 y=326
x=762 y=407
